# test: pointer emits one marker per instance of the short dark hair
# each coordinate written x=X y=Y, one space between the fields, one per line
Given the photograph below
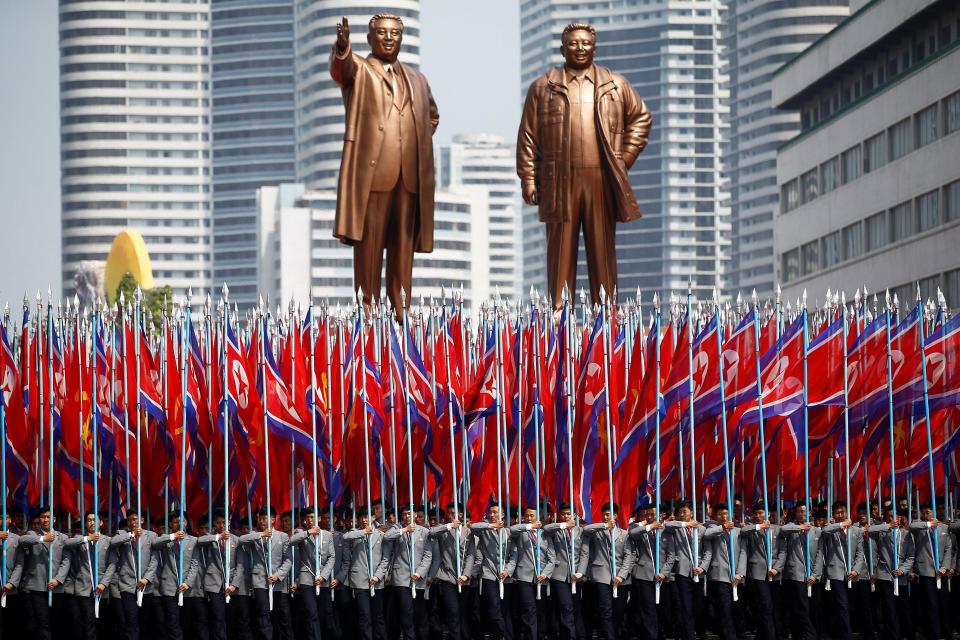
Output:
x=839 y=504
x=383 y=16
x=578 y=26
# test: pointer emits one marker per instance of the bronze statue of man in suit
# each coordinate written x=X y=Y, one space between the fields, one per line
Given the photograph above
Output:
x=582 y=128
x=385 y=192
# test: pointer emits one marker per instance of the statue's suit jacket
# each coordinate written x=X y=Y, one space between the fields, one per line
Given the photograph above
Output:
x=366 y=88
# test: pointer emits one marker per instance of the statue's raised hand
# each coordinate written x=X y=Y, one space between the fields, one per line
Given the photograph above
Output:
x=343 y=35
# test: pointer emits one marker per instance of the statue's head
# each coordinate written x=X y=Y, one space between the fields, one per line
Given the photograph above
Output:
x=384 y=36
x=578 y=45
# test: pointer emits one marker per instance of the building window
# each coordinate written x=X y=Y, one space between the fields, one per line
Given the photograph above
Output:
x=791 y=195
x=876 y=231
x=926 y=122
x=951 y=113
x=900 y=139
x=928 y=210
x=901 y=222
x=875 y=152
x=810 y=257
x=830 y=174
x=951 y=208
x=853 y=241
x=791 y=265
x=809 y=186
x=852 y=164
x=832 y=249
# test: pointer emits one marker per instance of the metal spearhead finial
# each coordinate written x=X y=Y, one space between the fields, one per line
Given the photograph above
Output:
x=138 y=294
x=565 y=294
x=583 y=296
x=189 y=295
x=603 y=295
x=856 y=297
x=887 y=299
x=656 y=301
x=896 y=301
x=804 y=298
x=919 y=297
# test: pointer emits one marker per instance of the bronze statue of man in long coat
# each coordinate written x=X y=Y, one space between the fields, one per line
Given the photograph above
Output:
x=386 y=187
x=582 y=128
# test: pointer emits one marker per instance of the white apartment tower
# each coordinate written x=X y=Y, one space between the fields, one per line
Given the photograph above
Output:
x=485 y=161
x=670 y=51
x=134 y=141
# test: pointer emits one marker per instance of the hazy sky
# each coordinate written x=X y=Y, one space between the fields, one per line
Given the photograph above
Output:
x=470 y=55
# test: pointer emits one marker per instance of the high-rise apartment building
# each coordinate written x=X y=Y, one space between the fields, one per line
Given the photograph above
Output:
x=484 y=160
x=319 y=104
x=870 y=186
x=134 y=135
x=251 y=60
x=760 y=37
x=670 y=51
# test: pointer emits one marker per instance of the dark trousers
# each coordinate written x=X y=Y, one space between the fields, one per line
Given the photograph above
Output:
x=369 y=610
x=329 y=622
x=643 y=602
x=795 y=599
x=11 y=617
x=306 y=613
x=609 y=610
x=194 y=619
x=38 y=613
x=126 y=617
x=861 y=609
x=262 y=623
x=568 y=610
x=217 y=614
x=494 y=610
x=83 y=622
x=525 y=602
x=407 y=614
x=931 y=601
x=888 y=607
x=389 y=224
x=153 y=621
x=760 y=597
x=684 y=587
x=171 y=614
x=840 y=609
x=721 y=598
x=450 y=608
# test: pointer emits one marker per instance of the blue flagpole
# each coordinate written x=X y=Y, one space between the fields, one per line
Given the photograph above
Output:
x=806 y=447
x=846 y=434
x=184 y=355
x=604 y=336
x=657 y=535
x=93 y=427
x=691 y=333
x=926 y=416
x=763 y=441
x=728 y=481
x=225 y=410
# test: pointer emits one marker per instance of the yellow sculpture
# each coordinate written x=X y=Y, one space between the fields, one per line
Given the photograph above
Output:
x=127 y=253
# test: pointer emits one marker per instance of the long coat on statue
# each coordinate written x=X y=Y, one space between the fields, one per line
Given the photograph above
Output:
x=362 y=84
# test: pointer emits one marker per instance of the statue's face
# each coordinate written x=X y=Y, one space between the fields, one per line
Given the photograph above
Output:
x=578 y=49
x=384 y=38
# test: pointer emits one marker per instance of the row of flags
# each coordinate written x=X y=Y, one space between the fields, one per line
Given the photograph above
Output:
x=522 y=405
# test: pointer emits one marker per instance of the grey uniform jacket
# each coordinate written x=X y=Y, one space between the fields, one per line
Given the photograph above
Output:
x=754 y=547
x=131 y=553
x=308 y=548
x=37 y=561
x=399 y=542
x=719 y=541
x=168 y=553
x=884 y=538
x=14 y=561
x=644 y=549
x=447 y=540
x=792 y=552
x=841 y=549
x=80 y=580
x=563 y=537
x=496 y=549
x=923 y=537
x=277 y=555
x=342 y=562
x=595 y=565
x=214 y=572
x=369 y=558
x=525 y=540
x=681 y=553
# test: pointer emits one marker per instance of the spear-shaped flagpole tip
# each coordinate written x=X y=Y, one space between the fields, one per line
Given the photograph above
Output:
x=896 y=301
x=189 y=295
x=804 y=298
x=919 y=297
x=138 y=294
x=754 y=299
x=565 y=293
x=656 y=301
x=887 y=298
x=403 y=296
x=603 y=295
x=856 y=297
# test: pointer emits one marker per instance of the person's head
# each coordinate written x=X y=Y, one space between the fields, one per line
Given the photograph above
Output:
x=17 y=517
x=493 y=512
x=286 y=521
x=720 y=512
x=133 y=519
x=565 y=512
x=384 y=35
x=875 y=510
x=800 y=512
x=92 y=522
x=451 y=512
x=219 y=522
x=926 y=511
x=529 y=515
x=609 y=512
x=839 y=511
x=308 y=518
x=578 y=44
x=902 y=503
x=173 y=521
x=684 y=512
x=363 y=518
x=325 y=520
x=406 y=516
x=759 y=513
x=820 y=517
x=391 y=516
x=264 y=517
x=44 y=519
x=419 y=512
